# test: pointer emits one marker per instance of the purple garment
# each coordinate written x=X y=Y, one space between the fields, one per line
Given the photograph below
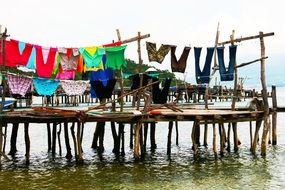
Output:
x=19 y=84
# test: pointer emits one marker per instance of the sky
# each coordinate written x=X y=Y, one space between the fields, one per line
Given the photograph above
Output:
x=182 y=23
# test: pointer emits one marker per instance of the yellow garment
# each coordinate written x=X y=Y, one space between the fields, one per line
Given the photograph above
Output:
x=91 y=50
x=101 y=67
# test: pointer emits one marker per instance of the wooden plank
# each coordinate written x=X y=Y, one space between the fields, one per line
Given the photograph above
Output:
x=135 y=38
x=247 y=38
x=248 y=63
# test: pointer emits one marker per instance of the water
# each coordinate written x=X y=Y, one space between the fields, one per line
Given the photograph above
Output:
x=239 y=170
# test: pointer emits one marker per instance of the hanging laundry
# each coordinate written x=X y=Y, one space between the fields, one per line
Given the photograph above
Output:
x=136 y=80
x=66 y=75
x=45 y=61
x=116 y=57
x=75 y=88
x=101 y=67
x=92 y=56
x=204 y=75
x=157 y=55
x=45 y=87
x=180 y=65
x=102 y=75
x=159 y=96
x=68 y=58
x=13 y=55
x=113 y=44
x=19 y=84
x=101 y=90
x=227 y=74
x=80 y=64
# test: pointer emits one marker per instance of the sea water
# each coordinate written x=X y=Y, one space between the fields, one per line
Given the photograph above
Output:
x=235 y=170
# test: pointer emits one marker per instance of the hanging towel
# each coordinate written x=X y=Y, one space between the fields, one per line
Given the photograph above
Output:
x=227 y=74
x=14 y=56
x=157 y=55
x=68 y=58
x=92 y=56
x=45 y=61
x=116 y=57
x=101 y=90
x=204 y=75
x=180 y=65
x=72 y=87
x=65 y=75
x=159 y=96
x=45 y=87
x=19 y=84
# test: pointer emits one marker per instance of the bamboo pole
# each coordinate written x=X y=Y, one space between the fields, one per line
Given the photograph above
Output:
x=121 y=78
x=214 y=68
x=264 y=96
x=248 y=63
x=274 y=116
x=247 y=38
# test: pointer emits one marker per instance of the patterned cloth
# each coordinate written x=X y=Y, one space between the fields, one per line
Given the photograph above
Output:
x=72 y=87
x=19 y=84
x=68 y=58
x=45 y=87
x=157 y=55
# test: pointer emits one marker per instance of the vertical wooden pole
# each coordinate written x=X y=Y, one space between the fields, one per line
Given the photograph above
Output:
x=49 y=137
x=264 y=97
x=205 y=143
x=121 y=80
x=67 y=144
x=274 y=116
x=177 y=133
x=131 y=136
x=140 y=69
x=250 y=133
x=214 y=141
x=214 y=70
x=13 y=140
x=235 y=77
x=79 y=147
x=255 y=138
x=170 y=126
x=152 y=136
x=53 y=139
x=27 y=142
x=229 y=139
x=145 y=126
x=137 y=140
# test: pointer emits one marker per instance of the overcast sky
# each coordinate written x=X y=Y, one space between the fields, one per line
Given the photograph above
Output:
x=182 y=22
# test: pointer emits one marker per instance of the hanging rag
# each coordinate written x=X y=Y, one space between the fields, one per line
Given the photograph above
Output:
x=19 y=84
x=92 y=56
x=204 y=75
x=101 y=90
x=136 y=80
x=68 y=58
x=45 y=87
x=72 y=87
x=159 y=96
x=180 y=65
x=65 y=75
x=14 y=56
x=157 y=55
x=227 y=74
x=116 y=57
x=45 y=61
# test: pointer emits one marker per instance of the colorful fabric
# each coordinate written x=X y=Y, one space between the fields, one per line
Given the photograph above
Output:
x=101 y=67
x=72 y=87
x=157 y=55
x=180 y=65
x=45 y=87
x=13 y=55
x=113 y=44
x=68 y=58
x=116 y=57
x=80 y=64
x=32 y=60
x=227 y=74
x=65 y=75
x=19 y=84
x=92 y=56
x=45 y=60
x=101 y=90
x=204 y=75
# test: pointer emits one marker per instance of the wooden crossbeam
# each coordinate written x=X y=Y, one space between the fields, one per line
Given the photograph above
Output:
x=140 y=37
x=248 y=63
x=246 y=38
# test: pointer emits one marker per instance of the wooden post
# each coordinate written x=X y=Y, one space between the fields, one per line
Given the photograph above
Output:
x=137 y=140
x=214 y=68
x=131 y=136
x=140 y=70
x=74 y=140
x=170 y=126
x=177 y=133
x=214 y=141
x=255 y=138
x=53 y=148
x=145 y=126
x=27 y=142
x=264 y=96
x=274 y=116
x=79 y=147
x=121 y=80
x=152 y=136
x=205 y=142
x=229 y=139
x=59 y=142
x=67 y=144
x=49 y=137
